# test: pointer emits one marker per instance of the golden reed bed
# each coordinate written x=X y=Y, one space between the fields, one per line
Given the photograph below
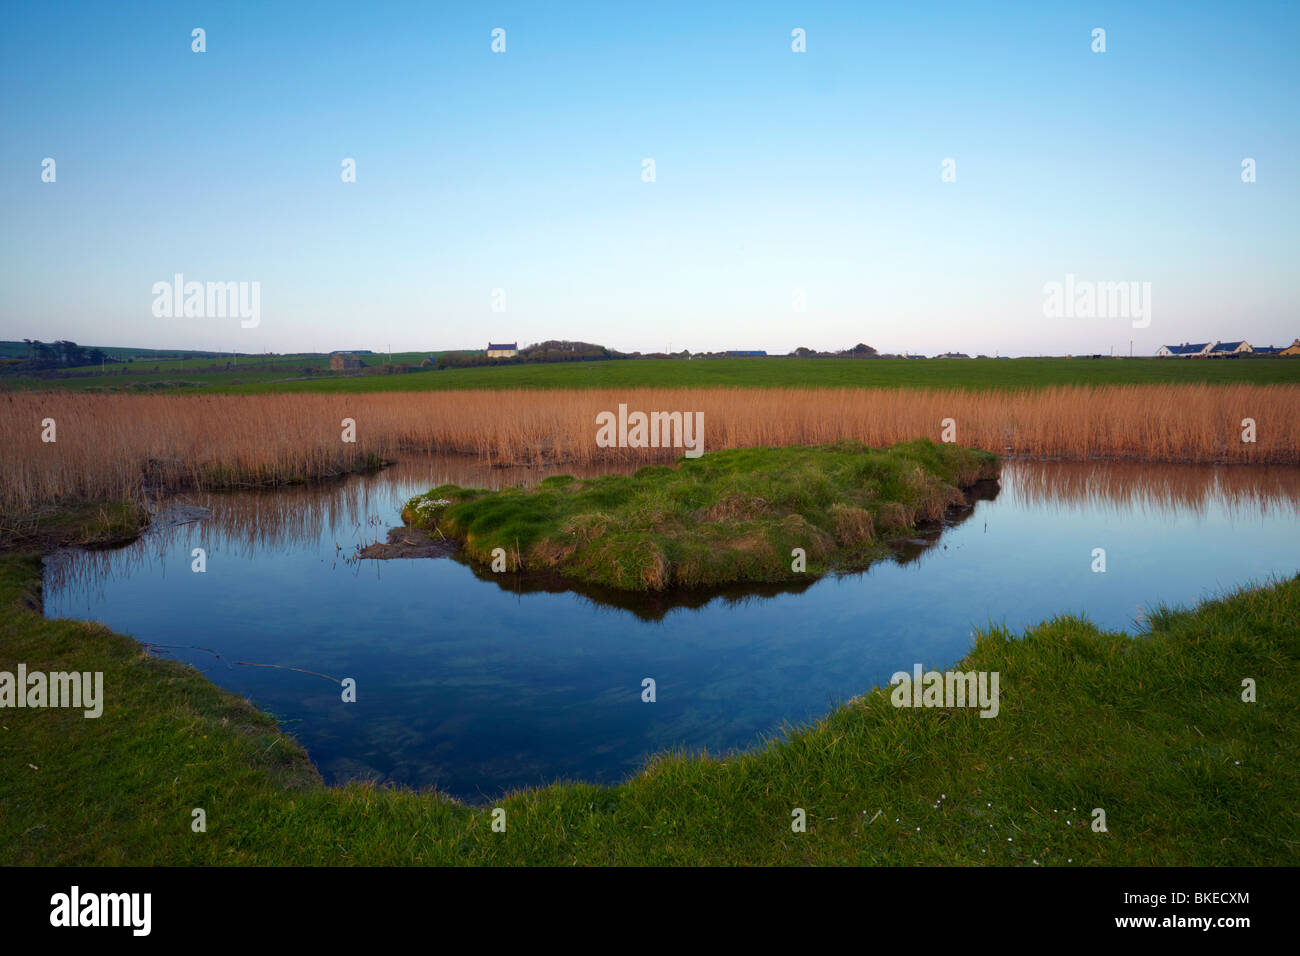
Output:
x=118 y=445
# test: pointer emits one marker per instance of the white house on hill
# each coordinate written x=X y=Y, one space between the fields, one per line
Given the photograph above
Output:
x=1204 y=349
x=504 y=350
x=1183 y=351
x=1231 y=348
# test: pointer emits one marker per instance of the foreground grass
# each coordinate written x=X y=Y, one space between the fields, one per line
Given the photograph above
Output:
x=1152 y=729
x=978 y=374
x=723 y=518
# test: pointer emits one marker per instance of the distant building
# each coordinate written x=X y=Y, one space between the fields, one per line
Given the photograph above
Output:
x=341 y=363
x=503 y=350
x=953 y=355
x=739 y=353
x=1292 y=349
x=1230 y=348
x=1183 y=351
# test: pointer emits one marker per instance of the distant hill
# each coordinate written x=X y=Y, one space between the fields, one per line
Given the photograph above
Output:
x=19 y=350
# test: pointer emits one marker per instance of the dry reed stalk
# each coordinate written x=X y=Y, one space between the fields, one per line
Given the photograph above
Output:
x=116 y=446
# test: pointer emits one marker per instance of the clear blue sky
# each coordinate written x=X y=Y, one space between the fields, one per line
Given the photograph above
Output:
x=776 y=171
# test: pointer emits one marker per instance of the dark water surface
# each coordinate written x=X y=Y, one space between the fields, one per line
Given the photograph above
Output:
x=475 y=684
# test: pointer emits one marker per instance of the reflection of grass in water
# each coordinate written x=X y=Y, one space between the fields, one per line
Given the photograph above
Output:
x=656 y=605
x=725 y=517
x=1152 y=730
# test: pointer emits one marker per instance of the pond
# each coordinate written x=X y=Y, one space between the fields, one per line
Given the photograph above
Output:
x=477 y=683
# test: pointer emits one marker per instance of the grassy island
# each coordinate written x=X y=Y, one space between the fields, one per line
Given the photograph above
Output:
x=725 y=517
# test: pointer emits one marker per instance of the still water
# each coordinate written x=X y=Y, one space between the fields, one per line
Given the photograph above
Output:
x=475 y=683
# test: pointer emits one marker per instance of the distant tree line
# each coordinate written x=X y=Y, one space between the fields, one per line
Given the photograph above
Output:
x=553 y=350
x=61 y=354
x=858 y=351
x=556 y=350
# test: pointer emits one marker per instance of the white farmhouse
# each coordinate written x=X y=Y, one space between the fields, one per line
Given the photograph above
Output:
x=1183 y=351
x=1230 y=348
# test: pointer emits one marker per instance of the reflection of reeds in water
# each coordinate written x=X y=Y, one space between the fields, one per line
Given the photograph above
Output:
x=1155 y=488
x=119 y=445
x=353 y=513
x=359 y=510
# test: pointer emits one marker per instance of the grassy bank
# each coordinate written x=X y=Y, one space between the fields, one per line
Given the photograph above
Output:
x=726 y=517
x=116 y=446
x=1152 y=729
x=254 y=377
x=104 y=524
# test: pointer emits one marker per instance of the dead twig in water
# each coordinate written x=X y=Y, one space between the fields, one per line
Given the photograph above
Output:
x=283 y=668
x=196 y=647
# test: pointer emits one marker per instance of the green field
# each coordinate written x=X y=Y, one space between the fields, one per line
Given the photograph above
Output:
x=1151 y=729
x=189 y=358
x=257 y=377
x=232 y=374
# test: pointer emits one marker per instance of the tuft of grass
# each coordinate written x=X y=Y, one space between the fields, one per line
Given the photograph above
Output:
x=90 y=525
x=722 y=518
